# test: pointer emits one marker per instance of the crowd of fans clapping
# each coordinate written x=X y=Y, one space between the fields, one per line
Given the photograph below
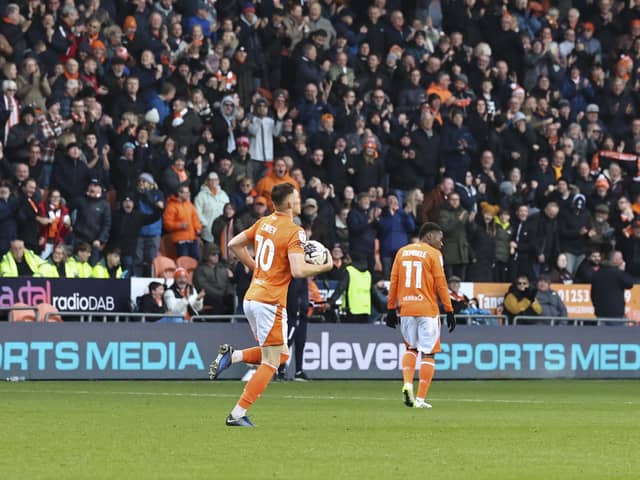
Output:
x=515 y=125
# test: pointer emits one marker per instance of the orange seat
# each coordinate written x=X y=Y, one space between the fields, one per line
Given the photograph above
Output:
x=22 y=315
x=167 y=247
x=163 y=267
x=43 y=309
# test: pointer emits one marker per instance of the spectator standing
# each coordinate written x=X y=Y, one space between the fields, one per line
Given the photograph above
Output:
x=573 y=230
x=608 y=285
x=93 y=220
x=28 y=221
x=630 y=248
x=262 y=129
x=55 y=222
x=280 y=174
x=455 y=221
x=224 y=228
x=8 y=227
x=147 y=199
x=181 y=220
x=126 y=226
x=70 y=174
x=362 y=223
x=209 y=204
x=396 y=224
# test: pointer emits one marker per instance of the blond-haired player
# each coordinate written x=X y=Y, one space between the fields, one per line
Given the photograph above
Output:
x=279 y=256
x=417 y=280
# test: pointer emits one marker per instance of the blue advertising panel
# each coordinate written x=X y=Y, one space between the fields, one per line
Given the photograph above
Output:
x=183 y=351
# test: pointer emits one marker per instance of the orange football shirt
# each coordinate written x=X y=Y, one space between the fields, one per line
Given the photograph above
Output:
x=273 y=237
x=417 y=280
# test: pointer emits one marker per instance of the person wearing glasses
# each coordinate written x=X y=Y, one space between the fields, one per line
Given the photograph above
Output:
x=521 y=300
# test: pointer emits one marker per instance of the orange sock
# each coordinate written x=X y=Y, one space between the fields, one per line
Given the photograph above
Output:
x=256 y=385
x=252 y=355
x=427 y=369
x=409 y=366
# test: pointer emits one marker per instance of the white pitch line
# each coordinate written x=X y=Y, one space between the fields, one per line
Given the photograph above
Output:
x=308 y=397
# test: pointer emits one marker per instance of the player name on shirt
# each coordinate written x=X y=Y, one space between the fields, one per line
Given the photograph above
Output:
x=414 y=253
x=269 y=228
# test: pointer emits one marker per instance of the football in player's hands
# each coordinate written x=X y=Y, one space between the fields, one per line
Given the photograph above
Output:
x=315 y=253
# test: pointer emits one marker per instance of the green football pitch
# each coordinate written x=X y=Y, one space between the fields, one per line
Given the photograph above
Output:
x=321 y=430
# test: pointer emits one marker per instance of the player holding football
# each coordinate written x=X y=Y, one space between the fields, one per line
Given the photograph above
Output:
x=417 y=280
x=279 y=256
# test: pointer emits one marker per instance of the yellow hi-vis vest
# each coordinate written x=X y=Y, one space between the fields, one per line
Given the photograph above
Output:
x=357 y=298
x=8 y=267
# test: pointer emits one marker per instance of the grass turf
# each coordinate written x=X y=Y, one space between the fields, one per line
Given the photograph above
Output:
x=324 y=430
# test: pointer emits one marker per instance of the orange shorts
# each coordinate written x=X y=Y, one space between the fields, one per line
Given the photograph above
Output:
x=268 y=322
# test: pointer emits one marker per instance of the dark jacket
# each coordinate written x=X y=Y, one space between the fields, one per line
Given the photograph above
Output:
x=362 y=234
x=607 y=291
x=456 y=157
x=28 y=226
x=483 y=251
x=188 y=132
x=70 y=177
x=126 y=227
x=93 y=220
x=456 y=246
x=569 y=225
x=8 y=229
x=367 y=174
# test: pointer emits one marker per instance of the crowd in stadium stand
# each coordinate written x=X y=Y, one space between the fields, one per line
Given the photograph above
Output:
x=514 y=125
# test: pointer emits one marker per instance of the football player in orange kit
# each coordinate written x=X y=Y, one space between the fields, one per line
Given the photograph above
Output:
x=279 y=256
x=417 y=280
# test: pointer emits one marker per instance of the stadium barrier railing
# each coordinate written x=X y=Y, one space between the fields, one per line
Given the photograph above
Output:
x=578 y=322
x=463 y=319
x=8 y=310
x=478 y=319
x=116 y=317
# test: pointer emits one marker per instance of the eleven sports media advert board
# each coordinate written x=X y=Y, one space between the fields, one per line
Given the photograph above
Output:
x=72 y=350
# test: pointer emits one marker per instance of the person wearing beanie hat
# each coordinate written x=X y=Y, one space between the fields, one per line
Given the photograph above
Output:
x=126 y=227
x=602 y=235
x=574 y=225
x=148 y=198
x=182 y=298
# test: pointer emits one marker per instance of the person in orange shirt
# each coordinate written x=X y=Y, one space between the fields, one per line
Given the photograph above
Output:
x=441 y=88
x=279 y=256
x=180 y=219
x=277 y=176
x=417 y=281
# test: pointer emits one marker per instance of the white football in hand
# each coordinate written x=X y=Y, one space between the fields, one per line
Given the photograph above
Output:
x=315 y=253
